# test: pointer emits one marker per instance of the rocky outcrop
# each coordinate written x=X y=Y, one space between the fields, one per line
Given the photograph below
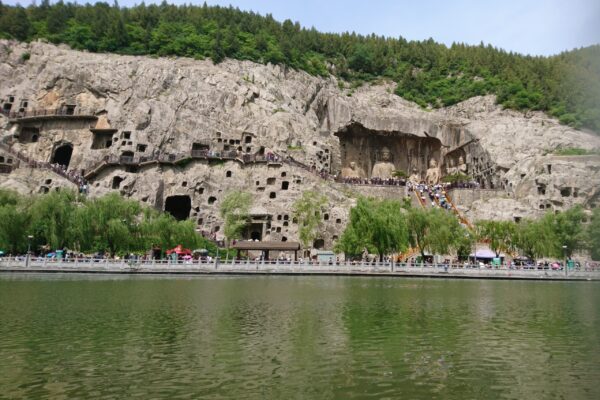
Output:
x=144 y=108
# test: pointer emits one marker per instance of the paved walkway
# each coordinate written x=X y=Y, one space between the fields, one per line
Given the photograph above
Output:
x=257 y=268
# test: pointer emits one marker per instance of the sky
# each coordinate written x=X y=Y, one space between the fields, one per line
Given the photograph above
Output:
x=543 y=27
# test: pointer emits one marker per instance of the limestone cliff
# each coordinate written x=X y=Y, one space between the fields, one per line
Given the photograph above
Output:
x=131 y=123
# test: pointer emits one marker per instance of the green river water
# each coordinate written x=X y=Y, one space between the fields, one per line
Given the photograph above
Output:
x=103 y=337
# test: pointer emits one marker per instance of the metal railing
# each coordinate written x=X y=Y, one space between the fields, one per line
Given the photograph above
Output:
x=275 y=266
x=47 y=112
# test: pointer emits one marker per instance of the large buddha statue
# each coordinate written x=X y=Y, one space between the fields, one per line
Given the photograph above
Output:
x=383 y=168
x=353 y=171
x=433 y=173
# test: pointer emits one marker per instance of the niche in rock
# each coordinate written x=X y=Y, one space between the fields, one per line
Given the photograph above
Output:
x=62 y=155
x=319 y=244
x=116 y=182
x=179 y=207
x=364 y=152
x=29 y=134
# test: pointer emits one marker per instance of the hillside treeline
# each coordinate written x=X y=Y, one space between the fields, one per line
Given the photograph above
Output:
x=431 y=74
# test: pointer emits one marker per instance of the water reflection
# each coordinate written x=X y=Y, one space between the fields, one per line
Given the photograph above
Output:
x=297 y=337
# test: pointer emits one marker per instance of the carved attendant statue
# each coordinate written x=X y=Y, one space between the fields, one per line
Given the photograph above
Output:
x=353 y=171
x=462 y=167
x=433 y=173
x=383 y=168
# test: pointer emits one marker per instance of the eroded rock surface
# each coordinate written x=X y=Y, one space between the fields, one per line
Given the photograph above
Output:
x=142 y=109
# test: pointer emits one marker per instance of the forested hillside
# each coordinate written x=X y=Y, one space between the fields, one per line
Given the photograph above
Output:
x=566 y=86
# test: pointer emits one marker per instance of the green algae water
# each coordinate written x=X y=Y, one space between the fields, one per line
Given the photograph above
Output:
x=102 y=337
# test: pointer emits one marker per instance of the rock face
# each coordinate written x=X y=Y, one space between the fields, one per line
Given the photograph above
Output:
x=140 y=110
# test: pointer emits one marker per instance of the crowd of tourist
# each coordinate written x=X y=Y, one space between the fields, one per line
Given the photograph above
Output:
x=434 y=194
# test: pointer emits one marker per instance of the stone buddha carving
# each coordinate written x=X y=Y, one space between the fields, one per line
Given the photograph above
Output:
x=414 y=177
x=353 y=171
x=433 y=173
x=383 y=168
x=462 y=166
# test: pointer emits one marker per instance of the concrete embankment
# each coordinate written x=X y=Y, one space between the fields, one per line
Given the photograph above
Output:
x=383 y=269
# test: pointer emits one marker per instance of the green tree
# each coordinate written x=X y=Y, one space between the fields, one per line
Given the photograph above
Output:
x=52 y=218
x=568 y=230
x=593 y=235
x=307 y=210
x=375 y=225
x=14 y=228
x=499 y=234
x=234 y=210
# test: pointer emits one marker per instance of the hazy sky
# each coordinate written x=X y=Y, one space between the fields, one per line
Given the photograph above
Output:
x=541 y=27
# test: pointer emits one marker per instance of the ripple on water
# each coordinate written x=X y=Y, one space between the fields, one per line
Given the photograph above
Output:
x=297 y=338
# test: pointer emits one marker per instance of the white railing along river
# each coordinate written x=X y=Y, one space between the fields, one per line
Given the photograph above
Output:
x=41 y=264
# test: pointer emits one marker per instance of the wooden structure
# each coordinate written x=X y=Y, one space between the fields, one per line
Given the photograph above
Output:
x=266 y=247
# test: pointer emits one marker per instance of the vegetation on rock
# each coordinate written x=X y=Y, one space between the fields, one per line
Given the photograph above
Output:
x=431 y=74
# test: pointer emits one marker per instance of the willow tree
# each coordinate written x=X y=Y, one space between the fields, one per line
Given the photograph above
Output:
x=307 y=211
x=437 y=231
x=377 y=226
x=235 y=211
x=593 y=235
x=499 y=234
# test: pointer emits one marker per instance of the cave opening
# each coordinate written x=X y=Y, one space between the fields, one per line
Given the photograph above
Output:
x=366 y=152
x=179 y=206
x=62 y=155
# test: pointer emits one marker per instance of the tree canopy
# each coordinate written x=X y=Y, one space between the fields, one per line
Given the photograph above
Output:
x=426 y=72
x=109 y=224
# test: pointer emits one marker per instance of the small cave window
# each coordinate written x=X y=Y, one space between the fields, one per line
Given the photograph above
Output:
x=142 y=147
x=248 y=139
x=314 y=143
x=228 y=174
x=284 y=239
x=272 y=195
x=216 y=228
x=286 y=217
x=285 y=223
x=62 y=155
x=70 y=109
x=255 y=235
x=334 y=238
x=212 y=199
x=270 y=181
x=338 y=220
x=126 y=135
x=285 y=185
x=565 y=192
x=541 y=190
x=326 y=217
x=248 y=149
x=231 y=141
x=1 y=159
x=517 y=219
x=279 y=218
x=257 y=183
x=283 y=174
x=116 y=182
x=48 y=181
x=179 y=207
x=200 y=221
x=549 y=167
x=278 y=229
x=294 y=220
x=319 y=244
x=184 y=183
x=200 y=190
x=44 y=189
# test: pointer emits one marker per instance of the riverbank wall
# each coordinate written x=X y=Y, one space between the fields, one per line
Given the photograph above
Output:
x=284 y=268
